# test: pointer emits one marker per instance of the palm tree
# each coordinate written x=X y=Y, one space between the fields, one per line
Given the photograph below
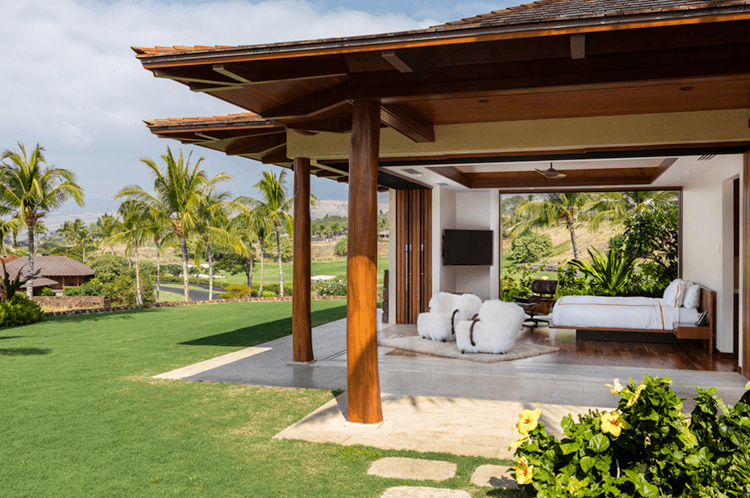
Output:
x=133 y=232
x=7 y=227
x=274 y=207
x=616 y=206
x=179 y=190
x=213 y=227
x=33 y=188
x=550 y=209
x=105 y=226
x=77 y=232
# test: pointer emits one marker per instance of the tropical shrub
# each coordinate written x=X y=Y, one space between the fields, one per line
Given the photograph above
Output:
x=332 y=288
x=46 y=291
x=235 y=291
x=652 y=235
x=611 y=273
x=530 y=247
x=8 y=286
x=19 y=310
x=341 y=247
x=516 y=282
x=647 y=447
x=267 y=293
x=570 y=283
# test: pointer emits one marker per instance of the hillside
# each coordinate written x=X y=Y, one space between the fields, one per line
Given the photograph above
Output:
x=563 y=249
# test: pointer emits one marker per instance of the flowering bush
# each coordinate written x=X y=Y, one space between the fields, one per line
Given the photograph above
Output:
x=645 y=448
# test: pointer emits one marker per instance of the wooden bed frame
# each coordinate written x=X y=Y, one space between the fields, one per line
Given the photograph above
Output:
x=681 y=331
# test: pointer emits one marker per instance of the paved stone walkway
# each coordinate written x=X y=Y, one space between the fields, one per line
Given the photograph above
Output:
x=493 y=476
x=412 y=468
x=421 y=492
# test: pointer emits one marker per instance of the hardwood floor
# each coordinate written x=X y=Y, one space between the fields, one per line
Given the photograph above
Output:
x=683 y=355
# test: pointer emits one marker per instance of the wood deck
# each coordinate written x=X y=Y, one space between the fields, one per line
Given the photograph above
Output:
x=683 y=355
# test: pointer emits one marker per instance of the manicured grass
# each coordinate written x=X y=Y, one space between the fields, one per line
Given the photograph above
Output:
x=271 y=271
x=82 y=416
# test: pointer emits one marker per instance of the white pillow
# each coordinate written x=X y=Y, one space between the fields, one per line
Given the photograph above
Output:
x=674 y=293
x=692 y=297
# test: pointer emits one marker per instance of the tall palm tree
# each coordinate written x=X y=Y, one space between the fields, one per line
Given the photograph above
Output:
x=133 y=233
x=33 y=188
x=213 y=227
x=616 y=206
x=104 y=227
x=274 y=206
x=7 y=227
x=178 y=191
x=78 y=233
x=551 y=209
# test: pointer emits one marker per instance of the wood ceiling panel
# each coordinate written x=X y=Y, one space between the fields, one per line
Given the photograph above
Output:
x=731 y=94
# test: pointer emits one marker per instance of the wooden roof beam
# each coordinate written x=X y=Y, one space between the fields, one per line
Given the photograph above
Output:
x=221 y=69
x=578 y=46
x=310 y=105
x=452 y=173
x=255 y=145
x=408 y=122
x=395 y=61
x=276 y=155
x=335 y=125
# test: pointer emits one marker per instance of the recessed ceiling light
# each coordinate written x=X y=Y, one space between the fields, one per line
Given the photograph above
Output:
x=687 y=88
x=483 y=101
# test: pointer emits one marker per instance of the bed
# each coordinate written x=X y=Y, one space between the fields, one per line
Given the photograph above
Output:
x=636 y=314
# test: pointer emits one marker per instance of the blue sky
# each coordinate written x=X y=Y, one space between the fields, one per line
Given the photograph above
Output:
x=71 y=82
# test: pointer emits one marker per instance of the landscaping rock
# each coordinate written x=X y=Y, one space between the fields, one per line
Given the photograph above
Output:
x=412 y=468
x=495 y=476
x=421 y=492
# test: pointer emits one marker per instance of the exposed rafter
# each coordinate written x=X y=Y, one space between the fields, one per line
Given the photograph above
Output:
x=407 y=122
x=256 y=144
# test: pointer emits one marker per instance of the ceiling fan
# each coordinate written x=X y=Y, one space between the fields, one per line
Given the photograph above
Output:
x=550 y=173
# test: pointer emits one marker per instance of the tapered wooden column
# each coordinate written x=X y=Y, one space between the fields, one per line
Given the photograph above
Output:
x=745 y=254
x=363 y=380
x=301 y=320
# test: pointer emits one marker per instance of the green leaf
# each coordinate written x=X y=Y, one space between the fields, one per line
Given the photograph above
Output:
x=568 y=448
x=599 y=443
x=587 y=463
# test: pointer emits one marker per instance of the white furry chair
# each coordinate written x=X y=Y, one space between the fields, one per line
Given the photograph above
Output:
x=437 y=320
x=494 y=330
x=446 y=310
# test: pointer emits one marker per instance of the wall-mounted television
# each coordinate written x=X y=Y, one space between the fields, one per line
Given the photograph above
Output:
x=467 y=247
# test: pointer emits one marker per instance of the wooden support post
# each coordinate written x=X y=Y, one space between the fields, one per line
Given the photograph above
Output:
x=745 y=254
x=301 y=319
x=363 y=380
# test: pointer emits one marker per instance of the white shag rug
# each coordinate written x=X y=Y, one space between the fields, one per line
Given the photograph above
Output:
x=449 y=349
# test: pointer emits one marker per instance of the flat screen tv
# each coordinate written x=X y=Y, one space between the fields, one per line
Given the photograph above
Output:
x=467 y=247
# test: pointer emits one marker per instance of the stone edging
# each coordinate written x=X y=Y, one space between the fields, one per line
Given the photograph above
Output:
x=109 y=309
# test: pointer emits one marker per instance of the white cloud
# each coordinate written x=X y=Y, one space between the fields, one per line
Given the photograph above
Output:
x=72 y=83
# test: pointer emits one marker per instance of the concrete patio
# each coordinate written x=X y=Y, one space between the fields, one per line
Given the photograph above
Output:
x=437 y=404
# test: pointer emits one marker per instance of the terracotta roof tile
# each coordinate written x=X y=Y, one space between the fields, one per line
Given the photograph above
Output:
x=244 y=117
x=541 y=11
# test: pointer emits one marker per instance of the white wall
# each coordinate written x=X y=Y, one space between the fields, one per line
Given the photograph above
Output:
x=478 y=210
x=707 y=231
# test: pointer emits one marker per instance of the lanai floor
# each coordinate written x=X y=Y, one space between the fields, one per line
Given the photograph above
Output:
x=425 y=398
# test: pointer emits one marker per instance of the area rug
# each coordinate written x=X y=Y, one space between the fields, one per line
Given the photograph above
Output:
x=449 y=350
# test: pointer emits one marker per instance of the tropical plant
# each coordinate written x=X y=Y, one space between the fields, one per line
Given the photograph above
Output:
x=8 y=227
x=551 y=209
x=618 y=206
x=8 y=286
x=341 y=247
x=105 y=226
x=31 y=187
x=78 y=233
x=652 y=235
x=179 y=189
x=274 y=206
x=133 y=233
x=530 y=247
x=610 y=272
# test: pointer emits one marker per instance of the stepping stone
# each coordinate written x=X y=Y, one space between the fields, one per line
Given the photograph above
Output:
x=412 y=468
x=420 y=492
x=495 y=476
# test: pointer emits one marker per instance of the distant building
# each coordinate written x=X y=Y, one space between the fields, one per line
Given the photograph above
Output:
x=55 y=272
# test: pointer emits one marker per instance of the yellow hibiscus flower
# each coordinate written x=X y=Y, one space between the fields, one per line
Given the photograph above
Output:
x=615 y=387
x=524 y=471
x=635 y=396
x=613 y=423
x=528 y=421
x=519 y=442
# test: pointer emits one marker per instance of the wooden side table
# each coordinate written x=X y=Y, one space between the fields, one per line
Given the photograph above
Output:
x=689 y=330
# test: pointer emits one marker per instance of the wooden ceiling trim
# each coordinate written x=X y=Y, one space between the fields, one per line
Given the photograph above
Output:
x=454 y=174
x=255 y=145
x=232 y=134
x=395 y=61
x=574 y=178
x=276 y=156
x=221 y=69
x=408 y=122
x=251 y=73
x=431 y=39
x=172 y=75
x=335 y=125
x=548 y=190
x=206 y=87
x=662 y=168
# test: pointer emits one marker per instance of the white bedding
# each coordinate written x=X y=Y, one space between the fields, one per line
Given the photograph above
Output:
x=619 y=313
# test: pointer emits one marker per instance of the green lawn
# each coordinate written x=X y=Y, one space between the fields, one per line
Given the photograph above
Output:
x=82 y=416
x=271 y=271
